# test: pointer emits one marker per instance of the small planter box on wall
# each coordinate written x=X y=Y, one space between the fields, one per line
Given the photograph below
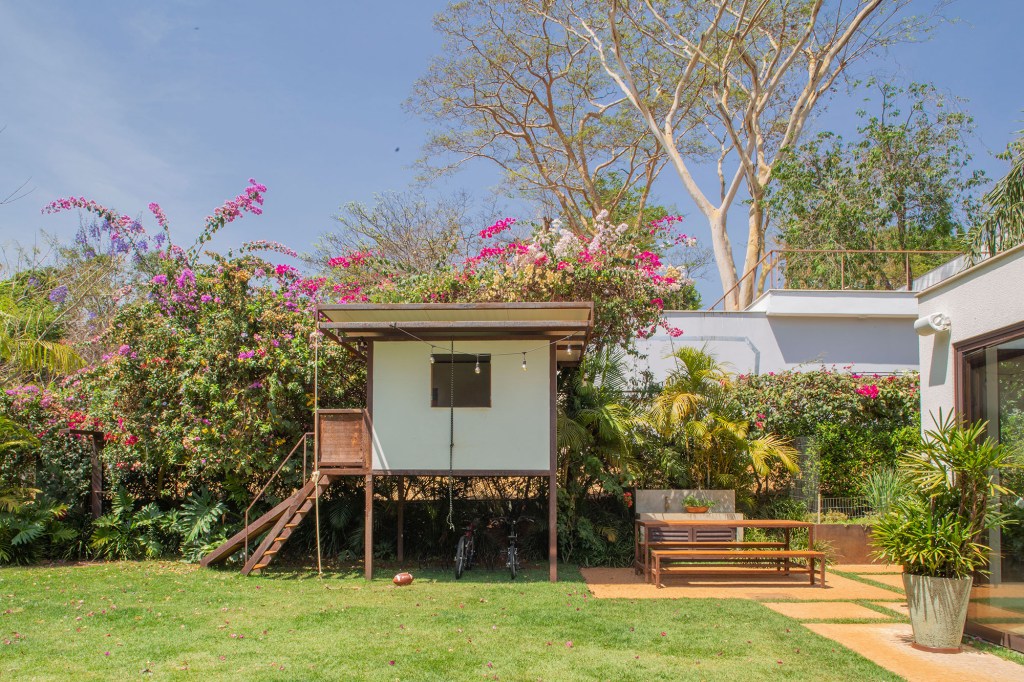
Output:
x=343 y=440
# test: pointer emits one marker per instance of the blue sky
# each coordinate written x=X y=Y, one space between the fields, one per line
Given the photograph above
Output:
x=181 y=102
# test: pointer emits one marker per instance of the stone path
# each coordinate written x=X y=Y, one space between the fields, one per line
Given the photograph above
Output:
x=869 y=597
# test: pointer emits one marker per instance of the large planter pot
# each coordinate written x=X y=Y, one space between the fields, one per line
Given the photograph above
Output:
x=938 y=610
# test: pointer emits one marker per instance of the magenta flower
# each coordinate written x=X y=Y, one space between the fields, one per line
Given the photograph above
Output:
x=159 y=279
x=285 y=270
x=185 y=278
x=158 y=212
x=246 y=354
x=870 y=391
x=497 y=227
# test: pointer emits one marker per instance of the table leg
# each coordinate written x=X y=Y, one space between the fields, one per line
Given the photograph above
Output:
x=636 y=546
x=823 y=573
x=787 y=549
x=647 y=557
x=810 y=567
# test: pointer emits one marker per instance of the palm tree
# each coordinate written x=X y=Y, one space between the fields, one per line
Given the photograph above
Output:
x=1002 y=225
x=598 y=417
x=21 y=351
x=600 y=425
x=696 y=411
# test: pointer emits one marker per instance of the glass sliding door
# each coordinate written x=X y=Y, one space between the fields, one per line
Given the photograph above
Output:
x=991 y=387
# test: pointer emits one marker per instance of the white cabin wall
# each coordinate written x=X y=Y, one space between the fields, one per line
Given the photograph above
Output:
x=512 y=434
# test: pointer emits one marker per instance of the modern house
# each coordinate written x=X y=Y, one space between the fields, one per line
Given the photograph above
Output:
x=972 y=362
x=859 y=313
x=451 y=390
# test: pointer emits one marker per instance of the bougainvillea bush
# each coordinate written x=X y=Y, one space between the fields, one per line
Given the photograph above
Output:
x=850 y=423
x=201 y=364
x=620 y=271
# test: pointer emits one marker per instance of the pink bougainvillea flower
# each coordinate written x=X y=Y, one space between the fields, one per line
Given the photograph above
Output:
x=497 y=228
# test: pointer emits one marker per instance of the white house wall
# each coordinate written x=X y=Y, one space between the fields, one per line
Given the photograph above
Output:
x=512 y=434
x=984 y=299
x=758 y=343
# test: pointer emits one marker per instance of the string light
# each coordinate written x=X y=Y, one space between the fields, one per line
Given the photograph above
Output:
x=571 y=349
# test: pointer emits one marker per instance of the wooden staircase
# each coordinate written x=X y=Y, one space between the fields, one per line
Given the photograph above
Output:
x=281 y=521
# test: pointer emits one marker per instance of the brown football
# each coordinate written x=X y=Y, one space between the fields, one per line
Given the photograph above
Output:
x=402 y=579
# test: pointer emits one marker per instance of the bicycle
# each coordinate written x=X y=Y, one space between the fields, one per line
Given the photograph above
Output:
x=464 y=551
x=512 y=562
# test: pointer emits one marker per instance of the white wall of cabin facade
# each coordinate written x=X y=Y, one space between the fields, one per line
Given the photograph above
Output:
x=512 y=434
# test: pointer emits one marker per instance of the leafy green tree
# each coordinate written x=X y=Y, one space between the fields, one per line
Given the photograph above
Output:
x=513 y=87
x=903 y=183
x=738 y=79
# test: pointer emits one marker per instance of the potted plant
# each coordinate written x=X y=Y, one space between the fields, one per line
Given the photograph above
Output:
x=697 y=505
x=937 y=531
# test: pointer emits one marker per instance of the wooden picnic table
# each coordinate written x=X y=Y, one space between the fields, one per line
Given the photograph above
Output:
x=643 y=532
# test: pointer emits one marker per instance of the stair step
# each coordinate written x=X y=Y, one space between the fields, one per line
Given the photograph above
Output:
x=258 y=567
x=281 y=538
x=290 y=525
x=270 y=552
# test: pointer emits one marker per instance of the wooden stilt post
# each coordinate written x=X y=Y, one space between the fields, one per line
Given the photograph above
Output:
x=400 y=550
x=553 y=472
x=368 y=530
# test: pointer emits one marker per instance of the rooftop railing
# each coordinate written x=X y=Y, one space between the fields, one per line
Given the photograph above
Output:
x=837 y=270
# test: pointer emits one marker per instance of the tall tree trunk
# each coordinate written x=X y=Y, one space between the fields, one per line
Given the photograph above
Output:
x=755 y=249
x=724 y=259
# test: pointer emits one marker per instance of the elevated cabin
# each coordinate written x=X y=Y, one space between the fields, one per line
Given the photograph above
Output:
x=452 y=390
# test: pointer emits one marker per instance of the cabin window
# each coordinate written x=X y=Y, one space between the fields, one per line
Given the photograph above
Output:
x=458 y=376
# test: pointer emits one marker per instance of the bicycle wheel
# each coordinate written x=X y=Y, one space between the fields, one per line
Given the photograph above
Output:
x=513 y=561
x=460 y=557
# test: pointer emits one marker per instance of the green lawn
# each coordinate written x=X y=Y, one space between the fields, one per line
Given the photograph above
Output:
x=168 y=620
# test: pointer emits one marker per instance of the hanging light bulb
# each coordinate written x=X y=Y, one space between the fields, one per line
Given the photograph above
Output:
x=431 y=358
x=524 y=362
x=477 y=368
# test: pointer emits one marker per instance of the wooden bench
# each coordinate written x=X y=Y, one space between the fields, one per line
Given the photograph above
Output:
x=664 y=558
x=643 y=565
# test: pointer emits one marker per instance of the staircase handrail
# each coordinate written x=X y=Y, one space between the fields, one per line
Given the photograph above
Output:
x=259 y=495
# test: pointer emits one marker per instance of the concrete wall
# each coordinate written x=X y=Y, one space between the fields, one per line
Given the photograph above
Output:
x=409 y=434
x=758 y=343
x=985 y=298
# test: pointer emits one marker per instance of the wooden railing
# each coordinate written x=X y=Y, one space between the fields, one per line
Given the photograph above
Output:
x=343 y=439
x=306 y=437
x=837 y=269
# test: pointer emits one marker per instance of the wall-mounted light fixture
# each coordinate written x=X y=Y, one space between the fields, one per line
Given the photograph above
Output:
x=936 y=323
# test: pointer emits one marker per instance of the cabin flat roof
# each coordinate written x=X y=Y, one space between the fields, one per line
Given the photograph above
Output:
x=568 y=320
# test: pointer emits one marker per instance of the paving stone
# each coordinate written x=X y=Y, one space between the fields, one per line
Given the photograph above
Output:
x=825 y=610
x=889 y=645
